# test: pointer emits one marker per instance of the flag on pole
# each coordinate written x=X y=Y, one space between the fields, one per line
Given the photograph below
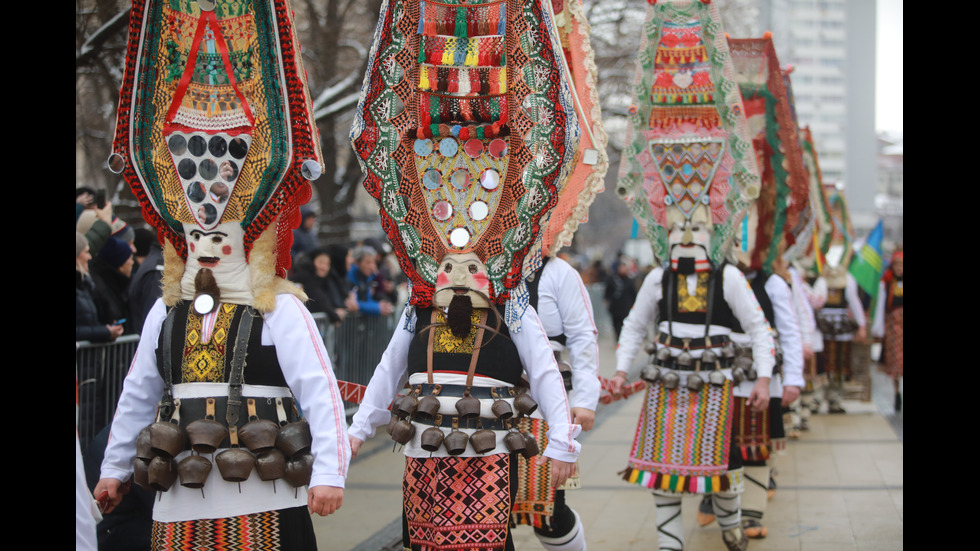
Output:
x=866 y=267
x=818 y=254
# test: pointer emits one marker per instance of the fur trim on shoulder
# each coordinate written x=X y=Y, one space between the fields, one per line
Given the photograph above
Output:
x=262 y=265
x=173 y=271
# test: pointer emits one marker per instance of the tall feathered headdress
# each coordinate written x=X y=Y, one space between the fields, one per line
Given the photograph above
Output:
x=465 y=131
x=214 y=122
x=686 y=141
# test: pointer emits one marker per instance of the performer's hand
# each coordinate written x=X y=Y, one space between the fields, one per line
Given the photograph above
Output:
x=861 y=335
x=759 y=398
x=790 y=394
x=114 y=489
x=355 y=444
x=560 y=470
x=325 y=500
x=807 y=352
x=584 y=417
x=617 y=383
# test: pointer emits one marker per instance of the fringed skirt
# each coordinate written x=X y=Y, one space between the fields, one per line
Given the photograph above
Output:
x=458 y=503
x=683 y=440
x=282 y=530
x=535 y=502
x=894 y=346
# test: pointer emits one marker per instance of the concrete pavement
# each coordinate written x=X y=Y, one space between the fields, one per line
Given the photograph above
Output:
x=841 y=487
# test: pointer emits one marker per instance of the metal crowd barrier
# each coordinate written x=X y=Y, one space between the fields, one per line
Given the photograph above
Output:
x=355 y=348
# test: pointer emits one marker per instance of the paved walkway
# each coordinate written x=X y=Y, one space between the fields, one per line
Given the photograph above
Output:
x=841 y=487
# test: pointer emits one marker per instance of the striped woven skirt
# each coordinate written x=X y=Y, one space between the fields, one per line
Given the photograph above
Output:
x=535 y=502
x=683 y=440
x=285 y=530
x=894 y=346
x=459 y=503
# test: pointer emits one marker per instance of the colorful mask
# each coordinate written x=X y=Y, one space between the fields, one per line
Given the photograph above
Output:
x=687 y=150
x=214 y=130
x=462 y=275
x=465 y=130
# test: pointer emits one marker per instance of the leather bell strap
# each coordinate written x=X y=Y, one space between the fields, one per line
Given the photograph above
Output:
x=723 y=363
x=236 y=378
x=482 y=392
x=718 y=341
x=453 y=421
x=192 y=409
x=481 y=328
x=166 y=406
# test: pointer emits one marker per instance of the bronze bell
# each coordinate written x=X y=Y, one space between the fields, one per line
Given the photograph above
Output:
x=708 y=357
x=407 y=405
x=530 y=446
x=259 y=435
x=144 y=451
x=455 y=442
x=502 y=409
x=751 y=374
x=402 y=432
x=431 y=439
x=728 y=351
x=299 y=469
x=270 y=465
x=161 y=473
x=483 y=440
x=193 y=471
x=694 y=382
x=650 y=373
x=428 y=407
x=294 y=438
x=206 y=435
x=141 y=474
x=670 y=380
x=515 y=442
x=716 y=378
x=663 y=354
x=391 y=424
x=738 y=375
x=685 y=359
x=167 y=438
x=525 y=404
x=651 y=347
x=468 y=407
x=235 y=464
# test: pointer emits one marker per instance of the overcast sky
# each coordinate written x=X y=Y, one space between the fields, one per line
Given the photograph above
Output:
x=889 y=80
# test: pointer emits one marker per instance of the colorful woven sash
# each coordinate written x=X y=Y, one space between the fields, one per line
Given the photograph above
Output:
x=682 y=440
x=752 y=436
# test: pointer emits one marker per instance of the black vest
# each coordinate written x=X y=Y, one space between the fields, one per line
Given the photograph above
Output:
x=721 y=313
x=532 y=282
x=261 y=367
x=498 y=355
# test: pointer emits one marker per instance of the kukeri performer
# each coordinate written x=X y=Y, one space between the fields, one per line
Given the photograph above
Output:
x=889 y=321
x=210 y=411
x=689 y=175
x=466 y=131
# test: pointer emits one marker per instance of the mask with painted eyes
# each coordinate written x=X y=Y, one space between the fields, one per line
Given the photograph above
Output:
x=689 y=239
x=462 y=275
x=222 y=251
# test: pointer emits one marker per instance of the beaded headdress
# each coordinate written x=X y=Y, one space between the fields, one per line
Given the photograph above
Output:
x=214 y=122
x=465 y=130
x=823 y=224
x=781 y=212
x=686 y=139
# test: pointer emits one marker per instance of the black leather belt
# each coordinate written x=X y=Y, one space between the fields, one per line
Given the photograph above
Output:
x=446 y=421
x=723 y=363
x=482 y=392
x=192 y=409
x=694 y=343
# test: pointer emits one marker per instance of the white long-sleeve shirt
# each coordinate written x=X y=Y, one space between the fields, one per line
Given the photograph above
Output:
x=538 y=362
x=804 y=310
x=737 y=294
x=564 y=307
x=780 y=296
x=309 y=374
x=853 y=302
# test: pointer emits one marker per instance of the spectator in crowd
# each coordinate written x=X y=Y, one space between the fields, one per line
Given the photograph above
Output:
x=144 y=287
x=363 y=280
x=111 y=271
x=305 y=240
x=386 y=281
x=620 y=292
x=313 y=272
x=87 y=324
x=92 y=220
x=142 y=241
